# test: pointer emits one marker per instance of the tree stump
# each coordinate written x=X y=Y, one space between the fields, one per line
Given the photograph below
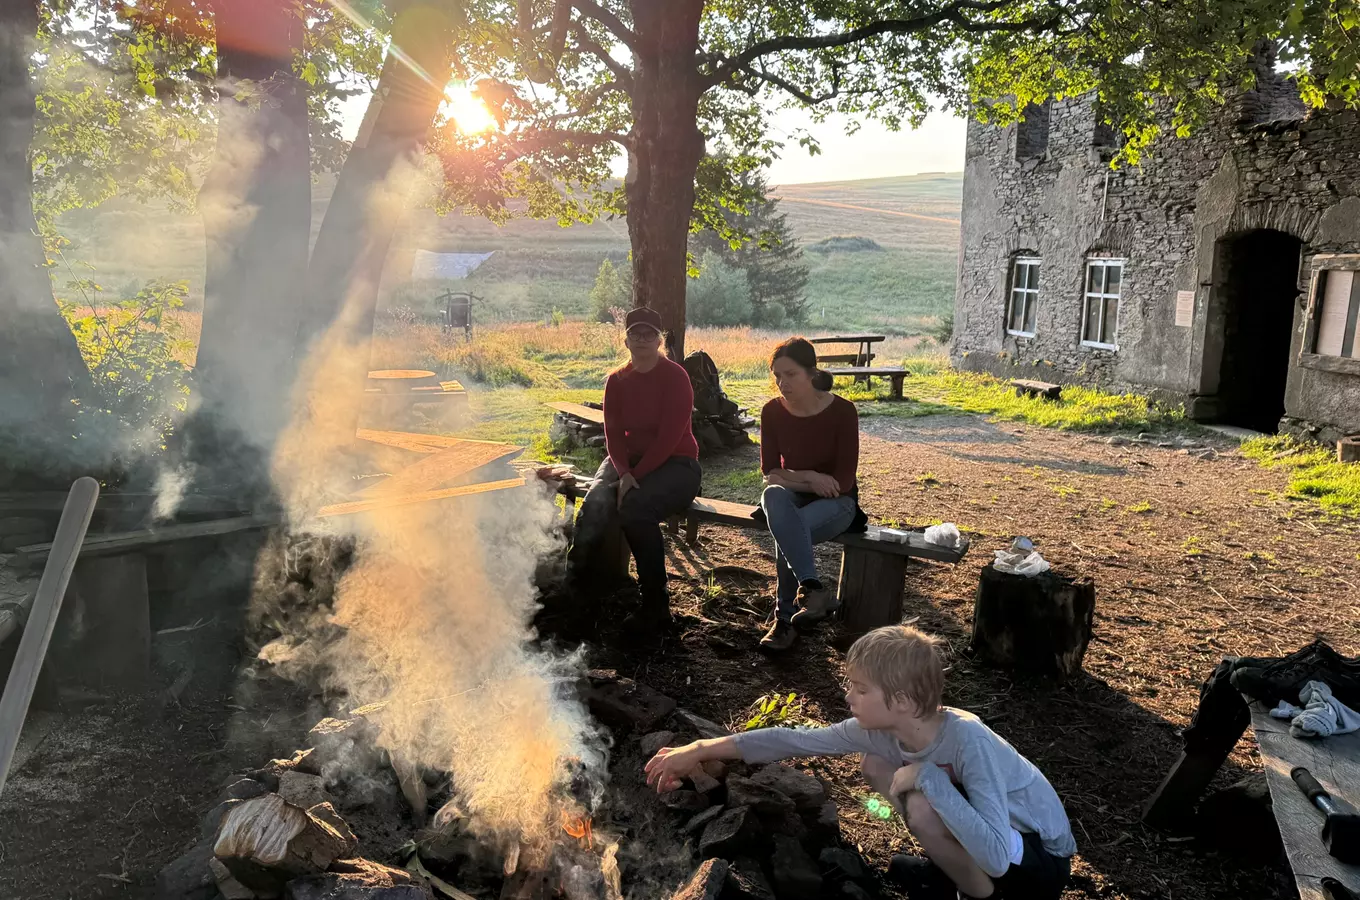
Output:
x=1039 y=624
x=1348 y=449
x=871 y=587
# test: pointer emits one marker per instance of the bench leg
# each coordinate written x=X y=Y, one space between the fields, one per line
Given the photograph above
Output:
x=691 y=531
x=871 y=589
x=897 y=387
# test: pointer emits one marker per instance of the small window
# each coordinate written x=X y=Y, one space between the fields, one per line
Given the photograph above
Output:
x=1337 y=313
x=1100 y=320
x=1031 y=134
x=1024 y=295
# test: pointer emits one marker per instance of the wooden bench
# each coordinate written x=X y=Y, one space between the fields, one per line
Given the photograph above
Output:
x=873 y=564
x=1333 y=761
x=1024 y=388
x=579 y=411
x=864 y=356
x=863 y=373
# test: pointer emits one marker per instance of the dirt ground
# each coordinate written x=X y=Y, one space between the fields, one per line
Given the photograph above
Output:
x=1193 y=560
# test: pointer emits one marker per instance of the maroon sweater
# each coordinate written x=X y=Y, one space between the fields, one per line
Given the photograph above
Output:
x=647 y=417
x=827 y=442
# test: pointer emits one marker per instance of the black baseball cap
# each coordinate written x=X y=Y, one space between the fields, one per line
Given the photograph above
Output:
x=642 y=316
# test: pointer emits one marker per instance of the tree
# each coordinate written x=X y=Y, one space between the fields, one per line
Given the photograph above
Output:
x=720 y=296
x=684 y=88
x=609 y=293
x=770 y=256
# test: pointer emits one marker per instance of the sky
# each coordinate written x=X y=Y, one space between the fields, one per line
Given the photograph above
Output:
x=872 y=152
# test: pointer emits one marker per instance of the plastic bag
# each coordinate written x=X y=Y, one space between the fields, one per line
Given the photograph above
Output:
x=946 y=535
x=1021 y=559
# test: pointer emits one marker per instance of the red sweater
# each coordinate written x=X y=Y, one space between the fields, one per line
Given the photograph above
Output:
x=827 y=442
x=647 y=417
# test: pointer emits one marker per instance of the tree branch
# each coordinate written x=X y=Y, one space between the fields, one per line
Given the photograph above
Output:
x=588 y=103
x=955 y=12
x=588 y=44
x=795 y=90
x=606 y=18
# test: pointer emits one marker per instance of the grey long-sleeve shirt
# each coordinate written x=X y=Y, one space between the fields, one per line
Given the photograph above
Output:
x=1004 y=790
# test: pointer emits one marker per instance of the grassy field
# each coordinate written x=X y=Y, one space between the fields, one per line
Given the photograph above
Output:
x=539 y=267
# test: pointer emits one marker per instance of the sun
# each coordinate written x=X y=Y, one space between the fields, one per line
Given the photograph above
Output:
x=468 y=112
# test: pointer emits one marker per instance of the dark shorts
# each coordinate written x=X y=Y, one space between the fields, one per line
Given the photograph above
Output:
x=1038 y=876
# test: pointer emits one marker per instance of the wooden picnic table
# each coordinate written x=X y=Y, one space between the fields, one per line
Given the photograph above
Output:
x=1333 y=761
x=864 y=356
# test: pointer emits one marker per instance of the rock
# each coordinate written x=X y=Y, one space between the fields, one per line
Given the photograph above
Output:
x=805 y=790
x=243 y=789
x=686 y=801
x=789 y=823
x=827 y=826
x=359 y=879
x=796 y=876
x=703 y=782
x=623 y=703
x=188 y=877
x=715 y=767
x=706 y=883
x=1118 y=441
x=702 y=726
x=746 y=881
x=326 y=813
x=840 y=864
x=760 y=797
x=699 y=822
x=852 y=891
x=730 y=833
x=11 y=542
x=207 y=826
x=342 y=747
x=265 y=842
x=267 y=776
x=301 y=789
x=655 y=741
x=230 y=888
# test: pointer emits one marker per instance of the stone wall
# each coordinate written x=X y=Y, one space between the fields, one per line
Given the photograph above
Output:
x=1258 y=166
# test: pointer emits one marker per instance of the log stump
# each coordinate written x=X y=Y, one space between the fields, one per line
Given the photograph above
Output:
x=1348 y=449
x=871 y=588
x=1038 y=624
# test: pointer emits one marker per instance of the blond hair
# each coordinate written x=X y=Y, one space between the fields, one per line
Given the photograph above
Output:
x=901 y=661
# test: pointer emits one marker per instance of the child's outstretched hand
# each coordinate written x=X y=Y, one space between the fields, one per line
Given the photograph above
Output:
x=904 y=780
x=671 y=764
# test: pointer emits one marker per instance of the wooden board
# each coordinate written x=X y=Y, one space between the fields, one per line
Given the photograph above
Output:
x=20 y=502
x=408 y=440
x=883 y=371
x=847 y=339
x=123 y=542
x=441 y=469
x=853 y=359
x=378 y=503
x=587 y=413
x=724 y=512
x=1335 y=762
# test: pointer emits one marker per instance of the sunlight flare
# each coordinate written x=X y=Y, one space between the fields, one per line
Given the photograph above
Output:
x=466 y=109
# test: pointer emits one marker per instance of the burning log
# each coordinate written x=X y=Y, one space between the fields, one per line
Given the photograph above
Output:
x=266 y=842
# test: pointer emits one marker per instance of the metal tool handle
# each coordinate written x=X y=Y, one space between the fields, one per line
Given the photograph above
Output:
x=23 y=673
x=1308 y=784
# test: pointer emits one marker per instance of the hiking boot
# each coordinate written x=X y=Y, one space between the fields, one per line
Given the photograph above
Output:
x=1273 y=680
x=922 y=879
x=651 y=619
x=815 y=604
x=780 y=637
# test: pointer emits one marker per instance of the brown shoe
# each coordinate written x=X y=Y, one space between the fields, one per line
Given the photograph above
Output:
x=780 y=637
x=815 y=605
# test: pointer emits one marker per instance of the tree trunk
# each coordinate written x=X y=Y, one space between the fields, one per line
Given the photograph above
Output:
x=667 y=148
x=1039 y=624
x=370 y=195
x=41 y=370
x=257 y=206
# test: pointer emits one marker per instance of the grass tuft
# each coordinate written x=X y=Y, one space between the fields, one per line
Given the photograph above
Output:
x=1314 y=473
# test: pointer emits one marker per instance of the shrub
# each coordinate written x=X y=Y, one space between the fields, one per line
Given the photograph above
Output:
x=610 y=291
x=846 y=244
x=720 y=296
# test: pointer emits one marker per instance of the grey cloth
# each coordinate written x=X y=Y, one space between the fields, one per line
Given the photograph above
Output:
x=1004 y=790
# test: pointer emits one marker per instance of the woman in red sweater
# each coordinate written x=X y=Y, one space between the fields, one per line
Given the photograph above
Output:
x=652 y=470
x=809 y=452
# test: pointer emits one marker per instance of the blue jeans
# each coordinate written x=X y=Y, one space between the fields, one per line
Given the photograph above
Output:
x=797 y=521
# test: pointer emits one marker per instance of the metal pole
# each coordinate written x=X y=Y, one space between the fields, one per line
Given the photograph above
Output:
x=23 y=674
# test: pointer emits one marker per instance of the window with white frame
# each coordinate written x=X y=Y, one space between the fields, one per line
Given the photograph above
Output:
x=1024 y=296
x=1338 y=310
x=1100 y=317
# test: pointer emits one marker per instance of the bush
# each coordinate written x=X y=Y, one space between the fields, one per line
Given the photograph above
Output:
x=943 y=332
x=720 y=296
x=847 y=244
x=610 y=291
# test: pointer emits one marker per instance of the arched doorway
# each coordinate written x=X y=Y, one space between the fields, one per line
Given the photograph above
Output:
x=1258 y=293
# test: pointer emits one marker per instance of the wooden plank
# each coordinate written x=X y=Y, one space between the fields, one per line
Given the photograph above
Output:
x=868 y=370
x=122 y=542
x=23 y=673
x=1335 y=762
x=440 y=470
x=407 y=440
x=847 y=339
x=378 y=503
x=18 y=502
x=851 y=358
x=587 y=413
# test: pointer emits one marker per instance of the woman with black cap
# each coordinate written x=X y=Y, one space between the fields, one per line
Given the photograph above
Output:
x=652 y=469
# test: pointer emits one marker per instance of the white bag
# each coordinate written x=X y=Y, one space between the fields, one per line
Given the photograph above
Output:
x=946 y=535
x=1021 y=559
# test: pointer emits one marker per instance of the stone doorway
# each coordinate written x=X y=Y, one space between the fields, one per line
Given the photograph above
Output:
x=1256 y=283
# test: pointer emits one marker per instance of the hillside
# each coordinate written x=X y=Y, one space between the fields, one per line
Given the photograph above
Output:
x=538 y=266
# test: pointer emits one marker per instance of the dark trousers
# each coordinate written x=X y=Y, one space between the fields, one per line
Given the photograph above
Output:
x=667 y=491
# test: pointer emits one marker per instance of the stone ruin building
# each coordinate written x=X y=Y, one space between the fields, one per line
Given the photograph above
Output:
x=1222 y=273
